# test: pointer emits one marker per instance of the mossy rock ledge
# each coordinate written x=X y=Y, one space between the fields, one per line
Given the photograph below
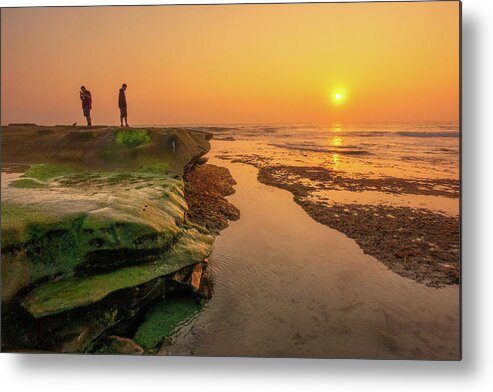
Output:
x=93 y=228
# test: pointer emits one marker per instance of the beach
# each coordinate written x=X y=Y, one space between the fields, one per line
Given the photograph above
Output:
x=288 y=286
x=335 y=255
x=394 y=188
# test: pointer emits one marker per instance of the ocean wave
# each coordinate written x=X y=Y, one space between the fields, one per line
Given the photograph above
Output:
x=443 y=149
x=343 y=150
x=367 y=134
x=424 y=134
x=214 y=129
x=428 y=134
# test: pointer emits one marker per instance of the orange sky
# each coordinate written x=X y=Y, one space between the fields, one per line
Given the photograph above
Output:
x=233 y=64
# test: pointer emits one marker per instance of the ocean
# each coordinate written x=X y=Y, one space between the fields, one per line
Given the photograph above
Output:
x=405 y=150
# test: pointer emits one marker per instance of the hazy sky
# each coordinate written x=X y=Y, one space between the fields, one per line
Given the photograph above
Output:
x=233 y=64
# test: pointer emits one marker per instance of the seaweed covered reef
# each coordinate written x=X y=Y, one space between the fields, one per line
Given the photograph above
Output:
x=95 y=237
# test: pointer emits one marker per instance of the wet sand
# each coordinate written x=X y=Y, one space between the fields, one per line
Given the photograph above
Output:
x=411 y=225
x=416 y=243
x=288 y=286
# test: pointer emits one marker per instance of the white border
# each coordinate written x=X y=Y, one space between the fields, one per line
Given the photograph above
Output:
x=88 y=374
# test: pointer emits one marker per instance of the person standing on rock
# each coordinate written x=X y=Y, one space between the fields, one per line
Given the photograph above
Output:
x=85 y=97
x=122 y=104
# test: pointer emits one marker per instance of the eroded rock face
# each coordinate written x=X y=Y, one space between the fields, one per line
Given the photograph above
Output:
x=106 y=227
x=82 y=290
x=78 y=329
x=92 y=225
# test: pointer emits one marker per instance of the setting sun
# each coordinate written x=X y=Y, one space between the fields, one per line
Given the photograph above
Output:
x=337 y=97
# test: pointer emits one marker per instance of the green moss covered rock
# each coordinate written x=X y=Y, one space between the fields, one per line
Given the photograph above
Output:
x=163 y=319
x=91 y=228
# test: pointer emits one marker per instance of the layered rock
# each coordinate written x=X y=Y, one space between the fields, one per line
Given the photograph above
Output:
x=93 y=227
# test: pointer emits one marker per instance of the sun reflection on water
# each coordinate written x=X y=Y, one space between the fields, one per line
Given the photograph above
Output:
x=335 y=160
x=336 y=141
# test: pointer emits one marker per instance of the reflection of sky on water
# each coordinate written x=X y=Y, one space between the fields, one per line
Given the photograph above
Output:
x=424 y=150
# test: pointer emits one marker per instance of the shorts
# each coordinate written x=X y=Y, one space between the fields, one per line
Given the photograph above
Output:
x=86 y=111
x=123 y=112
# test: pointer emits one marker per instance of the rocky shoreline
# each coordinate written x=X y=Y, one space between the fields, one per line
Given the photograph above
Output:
x=416 y=243
x=205 y=189
x=99 y=253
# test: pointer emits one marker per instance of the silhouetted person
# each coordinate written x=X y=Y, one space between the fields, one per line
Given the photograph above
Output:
x=85 y=97
x=122 y=104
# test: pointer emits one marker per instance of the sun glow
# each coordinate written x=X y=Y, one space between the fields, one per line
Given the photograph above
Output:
x=337 y=97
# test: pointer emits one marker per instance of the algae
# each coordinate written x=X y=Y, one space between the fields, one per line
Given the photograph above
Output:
x=163 y=319
x=44 y=172
x=77 y=330
x=102 y=148
x=133 y=226
x=69 y=293
x=93 y=245
x=155 y=167
x=132 y=138
x=17 y=218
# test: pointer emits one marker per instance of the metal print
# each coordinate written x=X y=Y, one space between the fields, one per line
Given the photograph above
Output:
x=265 y=180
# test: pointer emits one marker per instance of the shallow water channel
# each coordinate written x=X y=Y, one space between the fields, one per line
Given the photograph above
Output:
x=287 y=286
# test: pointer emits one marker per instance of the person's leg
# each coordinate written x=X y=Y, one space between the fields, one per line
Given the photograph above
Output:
x=89 y=122
x=86 y=113
x=124 y=116
x=121 y=118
